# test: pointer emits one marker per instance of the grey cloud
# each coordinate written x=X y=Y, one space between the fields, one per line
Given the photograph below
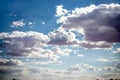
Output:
x=8 y=69
x=75 y=69
x=100 y=44
x=10 y=62
x=62 y=37
x=118 y=66
x=23 y=43
x=101 y=24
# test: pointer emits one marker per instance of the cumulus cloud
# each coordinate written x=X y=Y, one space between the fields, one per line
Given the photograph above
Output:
x=60 y=11
x=100 y=23
x=62 y=37
x=18 y=24
x=23 y=43
x=33 y=44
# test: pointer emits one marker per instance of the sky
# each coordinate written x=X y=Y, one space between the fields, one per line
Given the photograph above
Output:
x=59 y=39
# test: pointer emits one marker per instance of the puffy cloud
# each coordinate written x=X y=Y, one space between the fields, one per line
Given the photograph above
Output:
x=18 y=23
x=33 y=44
x=62 y=37
x=10 y=62
x=23 y=43
x=100 y=23
x=60 y=11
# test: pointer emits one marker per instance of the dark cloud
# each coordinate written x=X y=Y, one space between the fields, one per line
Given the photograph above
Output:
x=10 y=62
x=101 y=24
x=8 y=70
x=118 y=66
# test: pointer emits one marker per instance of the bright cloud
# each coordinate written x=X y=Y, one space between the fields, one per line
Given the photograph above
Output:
x=60 y=11
x=18 y=23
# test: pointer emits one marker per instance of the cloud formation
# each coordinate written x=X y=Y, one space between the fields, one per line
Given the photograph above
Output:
x=23 y=43
x=99 y=23
x=18 y=24
x=10 y=62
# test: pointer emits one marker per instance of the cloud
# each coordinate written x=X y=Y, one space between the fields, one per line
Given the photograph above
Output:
x=108 y=68
x=106 y=60
x=95 y=45
x=80 y=55
x=76 y=69
x=100 y=23
x=9 y=70
x=10 y=62
x=118 y=66
x=62 y=37
x=61 y=52
x=23 y=43
x=18 y=24
x=60 y=11
x=117 y=50
x=47 y=62
x=32 y=44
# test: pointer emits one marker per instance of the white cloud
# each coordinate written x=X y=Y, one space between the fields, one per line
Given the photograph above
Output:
x=47 y=62
x=60 y=11
x=62 y=52
x=18 y=24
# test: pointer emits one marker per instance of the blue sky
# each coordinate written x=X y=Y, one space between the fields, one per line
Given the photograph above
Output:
x=54 y=39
